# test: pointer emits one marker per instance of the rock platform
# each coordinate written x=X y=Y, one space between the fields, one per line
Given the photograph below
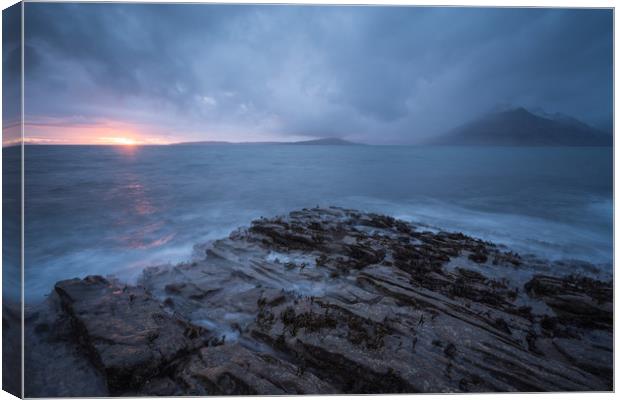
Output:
x=327 y=300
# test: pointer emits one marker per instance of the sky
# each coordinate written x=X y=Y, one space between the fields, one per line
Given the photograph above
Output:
x=155 y=73
x=11 y=71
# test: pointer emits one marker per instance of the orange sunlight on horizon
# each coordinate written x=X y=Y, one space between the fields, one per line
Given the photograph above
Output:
x=96 y=132
x=123 y=141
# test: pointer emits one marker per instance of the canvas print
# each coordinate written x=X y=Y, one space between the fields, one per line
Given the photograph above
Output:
x=11 y=200
x=302 y=199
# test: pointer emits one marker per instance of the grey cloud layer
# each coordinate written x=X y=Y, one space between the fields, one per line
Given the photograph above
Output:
x=365 y=73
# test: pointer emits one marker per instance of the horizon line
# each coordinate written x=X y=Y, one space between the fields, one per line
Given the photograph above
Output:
x=195 y=142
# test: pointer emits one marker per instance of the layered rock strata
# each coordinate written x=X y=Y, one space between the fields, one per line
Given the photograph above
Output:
x=328 y=301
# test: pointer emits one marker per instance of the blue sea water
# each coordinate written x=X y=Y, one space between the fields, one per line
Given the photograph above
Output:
x=117 y=209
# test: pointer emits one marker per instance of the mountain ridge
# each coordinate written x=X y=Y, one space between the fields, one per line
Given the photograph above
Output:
x=312 y=142
x=520 y=127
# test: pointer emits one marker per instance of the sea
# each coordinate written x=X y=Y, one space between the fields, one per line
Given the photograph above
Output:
x=114 y=210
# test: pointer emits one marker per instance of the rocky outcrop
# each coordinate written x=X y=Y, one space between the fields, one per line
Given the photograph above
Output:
x=127 y=333
x=232 y=369
x=336 y=301
x=575 y=300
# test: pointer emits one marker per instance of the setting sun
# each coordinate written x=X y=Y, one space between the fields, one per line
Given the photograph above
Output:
x=122 y=141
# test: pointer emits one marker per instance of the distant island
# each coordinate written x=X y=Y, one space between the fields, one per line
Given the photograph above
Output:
x=314 y=142
x=520 y=127
x=512 y=127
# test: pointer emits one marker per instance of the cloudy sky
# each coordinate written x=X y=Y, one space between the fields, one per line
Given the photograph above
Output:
x=114 y=73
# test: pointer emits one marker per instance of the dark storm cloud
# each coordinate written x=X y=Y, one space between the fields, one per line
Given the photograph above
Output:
x=365 y=73
x=11 y=63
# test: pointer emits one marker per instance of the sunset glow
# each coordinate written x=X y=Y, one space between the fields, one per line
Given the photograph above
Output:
x=96 y=131
x=79 y=130
x=121 y=141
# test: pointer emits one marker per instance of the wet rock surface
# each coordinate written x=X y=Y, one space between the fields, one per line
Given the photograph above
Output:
x=329 y=301
x=127 y=333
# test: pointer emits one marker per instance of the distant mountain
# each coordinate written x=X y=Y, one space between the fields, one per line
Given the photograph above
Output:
x=520 y=127
x=212 y=143
x=323 y=142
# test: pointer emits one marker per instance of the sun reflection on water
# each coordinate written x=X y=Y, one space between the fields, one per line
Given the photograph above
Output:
x=140 y=217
